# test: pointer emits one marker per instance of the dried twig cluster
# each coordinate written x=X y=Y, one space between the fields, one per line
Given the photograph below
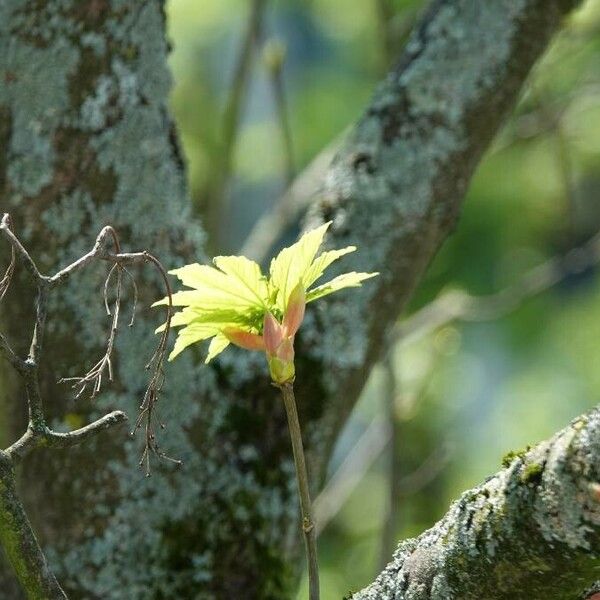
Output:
x=38 y=433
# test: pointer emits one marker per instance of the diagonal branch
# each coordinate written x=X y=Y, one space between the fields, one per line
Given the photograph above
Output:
x=530 y=531
x=31 y=440
x=459 y=305
x=396 y=185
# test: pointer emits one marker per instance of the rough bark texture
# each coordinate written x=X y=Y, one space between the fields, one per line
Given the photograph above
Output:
x=530 y=531
x=86 y=140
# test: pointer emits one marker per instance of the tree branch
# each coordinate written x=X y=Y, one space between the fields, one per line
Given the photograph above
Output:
x=457 y=304
x=530 y=531
x=20 y=543
x=16 y=535
x=47 y=438
x=396 y=185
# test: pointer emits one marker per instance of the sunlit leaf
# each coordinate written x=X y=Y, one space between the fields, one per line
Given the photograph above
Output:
x=229 y=302
x=291 y=264
x=247 y=272
x=190 y=335
x=208 y=299
x=346 y=280
x=322 y=262
x=214 y=287
x=217 y=345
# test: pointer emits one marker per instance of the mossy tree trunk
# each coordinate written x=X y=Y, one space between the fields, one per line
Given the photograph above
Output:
x=86 y=140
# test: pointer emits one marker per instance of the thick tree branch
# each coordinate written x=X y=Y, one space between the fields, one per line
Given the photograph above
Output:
x=395 y=187
x=530 y=531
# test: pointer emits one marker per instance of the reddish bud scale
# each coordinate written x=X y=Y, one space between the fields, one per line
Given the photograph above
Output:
x=272 y=333
x=294 y=314
x=244 y=339
x=280 y=350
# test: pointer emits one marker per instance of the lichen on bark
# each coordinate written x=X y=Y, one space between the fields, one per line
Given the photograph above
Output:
x=530 y=531
x=83 y=112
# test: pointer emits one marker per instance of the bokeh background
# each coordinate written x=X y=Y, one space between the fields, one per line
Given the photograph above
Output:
x=261 y=88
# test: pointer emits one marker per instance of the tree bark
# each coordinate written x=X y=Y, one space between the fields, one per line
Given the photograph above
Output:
x=530 y=531
x=19 y=541
x=86 y=140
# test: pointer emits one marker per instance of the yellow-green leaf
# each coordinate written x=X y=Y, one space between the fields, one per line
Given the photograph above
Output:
x=248 y=273
x=290 y=266
x=208 y=299
x=322 y=262
x=183 y=317
x=216 y=288
x=190 y=335
x=217 y=345
x=346 y=280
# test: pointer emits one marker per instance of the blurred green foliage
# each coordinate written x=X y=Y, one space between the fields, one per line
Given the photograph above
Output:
x=486 y=388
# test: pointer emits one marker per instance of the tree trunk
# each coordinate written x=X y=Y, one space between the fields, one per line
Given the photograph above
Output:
x=86 y=140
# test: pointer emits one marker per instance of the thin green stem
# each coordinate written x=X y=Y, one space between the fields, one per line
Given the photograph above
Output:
x=308 y=523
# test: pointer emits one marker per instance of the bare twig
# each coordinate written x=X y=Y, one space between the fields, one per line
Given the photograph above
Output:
x=95 y=253
x=394 y=26
x=17 y=247
x=427 y=471
x=393 y=394
x=273 y=223
x=53 y=439
x=17 y=537
x=94 y=376
x=274 y=57
x=9 y=354
x=385 y=14
x=218 y=201
x=239 y=83
x=352 y=470
x=29 y=368
x=360 y=459
x=7 y=277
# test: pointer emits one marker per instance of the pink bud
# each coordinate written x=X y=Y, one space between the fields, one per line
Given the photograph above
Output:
x=295 y=311
x=244 y=339
x=272 y=333
x=285 y=351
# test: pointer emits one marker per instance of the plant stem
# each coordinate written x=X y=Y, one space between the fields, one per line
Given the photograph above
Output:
x=308 y=524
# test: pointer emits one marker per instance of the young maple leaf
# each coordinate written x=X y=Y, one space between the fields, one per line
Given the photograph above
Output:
x=233 y=302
